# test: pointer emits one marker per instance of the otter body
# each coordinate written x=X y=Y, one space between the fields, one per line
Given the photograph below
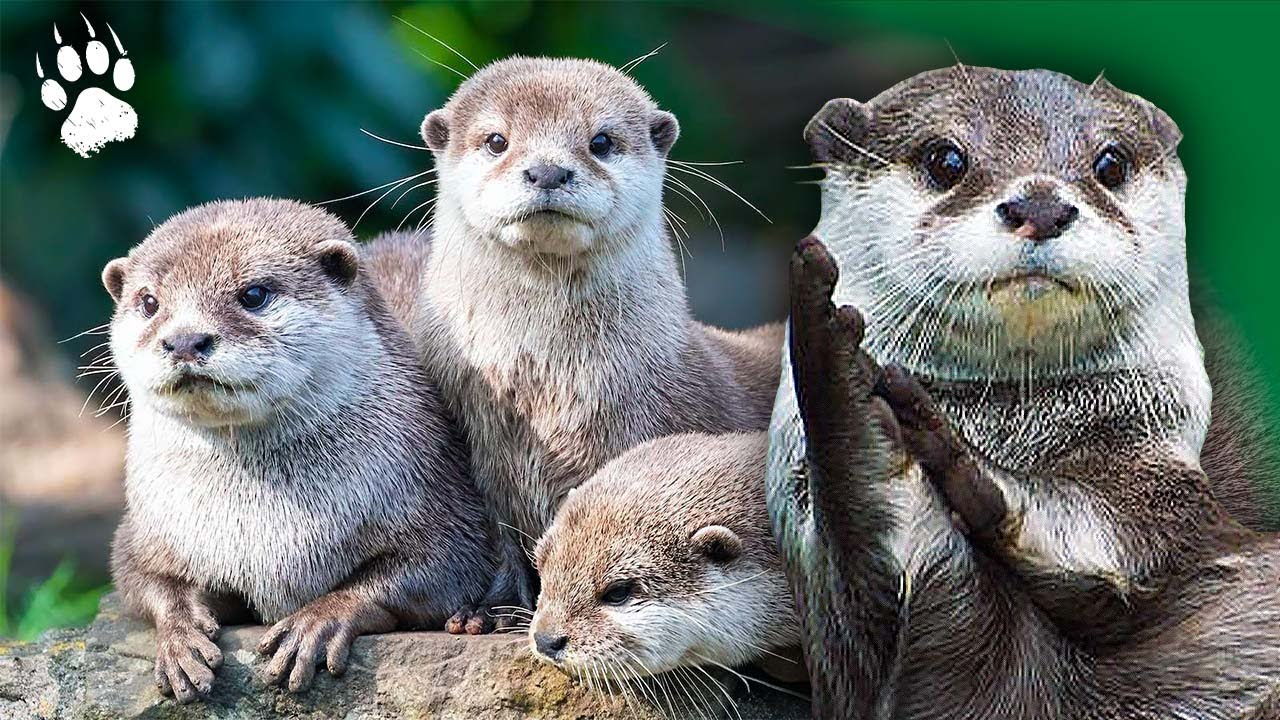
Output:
x=553 y=310
x=664 y=559
x=1012 y=509
x=288 y=459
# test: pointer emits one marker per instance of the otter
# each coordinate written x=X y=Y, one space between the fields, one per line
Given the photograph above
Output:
x=664 y=559
x=553 y=310
x=985 y=478
x=288 y=459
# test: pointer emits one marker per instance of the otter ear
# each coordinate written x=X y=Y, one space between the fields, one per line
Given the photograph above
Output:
x=339 y=260
x=717 y=543
x=435 y=131
x=113 y=277
x=1165 y=128
x=663 y=129
x=838 y=123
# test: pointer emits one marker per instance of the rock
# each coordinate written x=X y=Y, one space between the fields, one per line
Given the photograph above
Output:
x=105 y=671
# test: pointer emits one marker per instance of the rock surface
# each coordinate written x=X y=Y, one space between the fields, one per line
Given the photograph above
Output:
x=104 y=671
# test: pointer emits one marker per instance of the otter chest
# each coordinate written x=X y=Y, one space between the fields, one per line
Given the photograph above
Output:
x=264 y=531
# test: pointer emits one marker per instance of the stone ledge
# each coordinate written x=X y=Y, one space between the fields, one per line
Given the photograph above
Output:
x=104 y=671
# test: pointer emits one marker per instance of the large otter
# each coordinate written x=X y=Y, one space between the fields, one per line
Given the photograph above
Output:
x=288 y=460
x=553 y=310
x=1015 y=240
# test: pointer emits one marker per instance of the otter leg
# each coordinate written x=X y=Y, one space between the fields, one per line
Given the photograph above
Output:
x=379 y=597
x=185 y=616
x=513 y=587
x=850 y=457
x=972 y=495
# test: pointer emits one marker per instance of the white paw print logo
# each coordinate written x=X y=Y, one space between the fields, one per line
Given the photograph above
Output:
x=97 y=117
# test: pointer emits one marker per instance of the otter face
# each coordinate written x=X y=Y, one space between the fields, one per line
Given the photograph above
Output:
x=550 y=156
x=647 y=602
x=229 y=313
x=996 y=219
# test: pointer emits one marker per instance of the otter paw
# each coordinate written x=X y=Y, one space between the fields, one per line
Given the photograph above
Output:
x=312 y=636
x=480 y=620
x=929 y=439
x=186 y=657
x=834 y=376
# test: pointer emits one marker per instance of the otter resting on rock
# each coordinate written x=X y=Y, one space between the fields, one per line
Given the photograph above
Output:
x=288 y=460
x=663 y=560
x=985 y=478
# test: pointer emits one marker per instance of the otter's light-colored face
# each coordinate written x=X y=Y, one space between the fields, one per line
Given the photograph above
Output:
x=551 y=156
x=234 y=313
x=993 y=221
x=661 y=560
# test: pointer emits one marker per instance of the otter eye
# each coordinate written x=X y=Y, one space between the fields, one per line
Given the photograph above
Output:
x=254 y=297
x=618 y=592
x=945 y=163
x=149 y=305
x=1111 y=167
x=496 y=144
x=601 y=145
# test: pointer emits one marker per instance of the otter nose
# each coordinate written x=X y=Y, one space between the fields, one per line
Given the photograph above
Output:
x=550 y=645
x=548 y=177
x=189 y=347
x=1039 y=216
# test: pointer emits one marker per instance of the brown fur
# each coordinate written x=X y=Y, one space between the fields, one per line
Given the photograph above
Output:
x=562 y=344
x=358 y=481
x=682 y=518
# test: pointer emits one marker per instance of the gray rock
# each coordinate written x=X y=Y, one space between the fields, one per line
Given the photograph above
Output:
x=105 y=671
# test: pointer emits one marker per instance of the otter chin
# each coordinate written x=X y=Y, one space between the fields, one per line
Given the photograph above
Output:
x=1029 y=307
x=548 y=231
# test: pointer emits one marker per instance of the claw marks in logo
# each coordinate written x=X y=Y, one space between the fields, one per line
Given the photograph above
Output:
x=97 y=117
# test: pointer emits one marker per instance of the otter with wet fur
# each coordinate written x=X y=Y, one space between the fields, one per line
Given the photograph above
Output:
x=288 y=459
x=1020 y=488
x=553 y=311
x=663 y=560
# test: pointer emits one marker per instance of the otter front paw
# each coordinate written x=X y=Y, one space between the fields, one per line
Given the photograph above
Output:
x=186 y=657
x=834 y=376
x=321 y=632
x=944 y=457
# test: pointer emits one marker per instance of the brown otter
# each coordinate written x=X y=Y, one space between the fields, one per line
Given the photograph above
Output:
x=664 y=559
x=553 y=311
x=288 y=459
x=1015 y=240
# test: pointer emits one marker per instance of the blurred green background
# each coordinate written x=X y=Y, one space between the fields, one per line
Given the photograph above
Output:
x=243 y=99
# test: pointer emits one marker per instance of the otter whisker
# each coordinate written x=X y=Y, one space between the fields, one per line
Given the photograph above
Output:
x=853 y=145
x=424 y=183
x=433 y=61
x=394 y=142
x=376 y=189
x=747 y=680
x=718 y=588
x=441 y=42
x=694 y=171
x=103 y=329
x=631 y=65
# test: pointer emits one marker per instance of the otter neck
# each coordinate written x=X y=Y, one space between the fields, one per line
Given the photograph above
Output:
x=628 y=285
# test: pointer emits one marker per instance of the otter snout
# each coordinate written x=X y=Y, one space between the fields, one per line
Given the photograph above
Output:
x=189 y=347
x=545 y=176
x=1038 y=215
x=550 y=645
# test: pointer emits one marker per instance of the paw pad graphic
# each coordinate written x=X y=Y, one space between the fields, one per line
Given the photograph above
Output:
x=97 y=117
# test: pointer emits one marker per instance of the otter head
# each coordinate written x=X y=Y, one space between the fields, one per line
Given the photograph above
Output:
x=550 y=156
x=233 y=312
x=993 y=221
x=663 y=559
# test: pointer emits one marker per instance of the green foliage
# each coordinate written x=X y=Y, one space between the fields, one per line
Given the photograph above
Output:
x=58 y=601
